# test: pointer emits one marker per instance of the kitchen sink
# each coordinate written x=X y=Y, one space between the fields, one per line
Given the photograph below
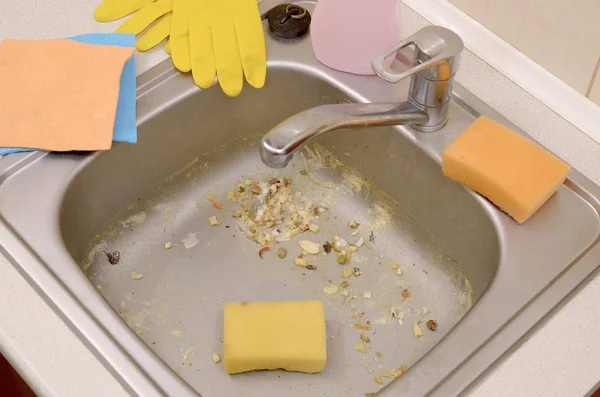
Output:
x=155 y=317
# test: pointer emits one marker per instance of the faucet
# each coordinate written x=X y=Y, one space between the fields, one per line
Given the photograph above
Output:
x=436 y=61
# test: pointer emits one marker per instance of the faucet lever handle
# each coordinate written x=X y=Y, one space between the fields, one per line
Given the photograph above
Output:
x=437 y=55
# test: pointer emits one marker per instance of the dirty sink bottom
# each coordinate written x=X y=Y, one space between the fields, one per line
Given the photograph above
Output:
x=176 y=306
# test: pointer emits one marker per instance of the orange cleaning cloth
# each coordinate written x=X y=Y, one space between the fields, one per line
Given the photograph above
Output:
x=511 y=171
x=59 y=94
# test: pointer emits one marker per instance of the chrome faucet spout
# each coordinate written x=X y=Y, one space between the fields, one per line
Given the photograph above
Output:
x=435 y=63
x=278 y=146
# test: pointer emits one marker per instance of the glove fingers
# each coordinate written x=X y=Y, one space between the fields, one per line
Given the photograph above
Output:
x=251 y=42
x=111 y=10
x=202 y=52
x=227 y=57
x=145 y=17
x=155 y=34
x=180 y=42
x=180 y=51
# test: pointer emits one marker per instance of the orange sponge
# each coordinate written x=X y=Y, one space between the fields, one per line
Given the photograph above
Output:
x=510 y=170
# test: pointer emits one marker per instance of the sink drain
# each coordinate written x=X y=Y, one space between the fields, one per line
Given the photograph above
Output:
x=289 y=21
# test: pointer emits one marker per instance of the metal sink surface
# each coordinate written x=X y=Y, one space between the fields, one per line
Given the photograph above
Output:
x=485 y=279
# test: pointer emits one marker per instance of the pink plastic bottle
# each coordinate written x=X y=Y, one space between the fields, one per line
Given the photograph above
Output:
x=348 y=34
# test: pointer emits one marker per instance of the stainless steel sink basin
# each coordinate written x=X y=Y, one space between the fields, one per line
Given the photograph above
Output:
x=485 y=280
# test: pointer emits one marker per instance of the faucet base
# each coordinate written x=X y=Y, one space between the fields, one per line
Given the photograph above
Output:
x=430 y=128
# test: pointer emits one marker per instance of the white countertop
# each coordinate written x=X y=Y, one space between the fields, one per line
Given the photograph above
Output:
x=560 y=359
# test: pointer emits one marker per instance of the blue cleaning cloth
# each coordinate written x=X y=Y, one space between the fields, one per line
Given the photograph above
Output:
x=125 y=120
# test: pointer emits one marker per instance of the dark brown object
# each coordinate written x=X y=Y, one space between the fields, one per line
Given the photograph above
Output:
x=288 y=21
x=432 y=325
x=113 y=257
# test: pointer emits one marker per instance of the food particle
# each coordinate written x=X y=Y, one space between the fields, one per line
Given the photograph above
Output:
x=378 y=380
x=282 y=252
x=237 y=214
x=311 y=267
x=331 y=289
x=425 y=310
x=405 y=293
x=314 y=228
x=365 y=338
x=210 y=197
x=417 y=330
x=327 y=247
x=396 y=314
x=213 y=221
x=345 y=293
x=309 y=246
x=294 y=232
x=360 y=346
x=231 y=196
x=360 y=242
x=339 y=243
x=300 y=262
x=136 y=275
x=432 y=325
x=262 y=251
x=168 y=245
x=341 y=259
x=218 y=205
x=356 y=271
x=113 y=257
x=398 y=272
x=396 y=372
x=361 y=327
x=347 y=272
x=367 y=295
x=348 y=256
x=352 y=224
x=394 y=266
x=216 y=358
x=379 y=354
x=256 y=189
x=345 y=284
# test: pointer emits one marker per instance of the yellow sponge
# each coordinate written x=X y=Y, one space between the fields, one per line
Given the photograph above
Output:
x=274 y=335
x=511 y=171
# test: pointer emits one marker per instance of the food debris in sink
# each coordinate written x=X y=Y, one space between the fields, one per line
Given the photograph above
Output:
x=333 y=241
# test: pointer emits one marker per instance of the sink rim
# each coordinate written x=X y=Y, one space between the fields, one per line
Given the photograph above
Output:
x=65 y=302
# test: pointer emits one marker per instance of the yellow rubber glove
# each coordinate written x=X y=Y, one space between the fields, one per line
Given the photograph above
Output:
x=150 y=16
x=222 y=38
